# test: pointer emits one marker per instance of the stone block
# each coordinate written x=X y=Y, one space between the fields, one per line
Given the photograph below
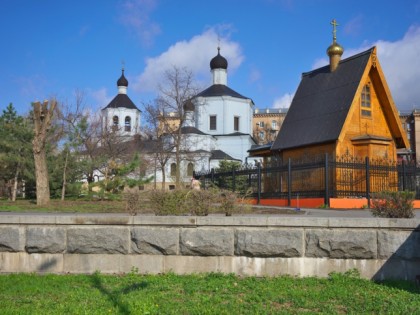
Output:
x=45 y=239
x=401 y=244
x=12 y=239
x=155 y=241
x=269 y=242
x=341 y=244
x=98 y=240
x=207 y=242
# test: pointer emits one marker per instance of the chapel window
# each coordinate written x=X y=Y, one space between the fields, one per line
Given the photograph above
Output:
x=127 y=123
x=213 y=125
x=115 y=123
x=236 y=123
x=173 y=169
x=190 y=169
x=366 y=106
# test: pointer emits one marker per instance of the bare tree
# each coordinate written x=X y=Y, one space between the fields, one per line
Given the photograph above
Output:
x=70 y=117
x=178 y=87
x=161 y=150
x=42 y=123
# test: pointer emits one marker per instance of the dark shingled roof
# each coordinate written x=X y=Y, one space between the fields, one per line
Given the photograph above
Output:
x=189 y=130
x=121 y=100
x=220 y=90
x=321 y=104
x=220 y=155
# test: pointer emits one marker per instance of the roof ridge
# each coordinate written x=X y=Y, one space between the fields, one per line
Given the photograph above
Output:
x=366 y=52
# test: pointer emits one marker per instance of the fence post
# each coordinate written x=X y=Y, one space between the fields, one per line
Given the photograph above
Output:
x=289 y=182
x=404 y=176
x=259 y=182
x=327 y=193
x=233 y=180
x=367 y=181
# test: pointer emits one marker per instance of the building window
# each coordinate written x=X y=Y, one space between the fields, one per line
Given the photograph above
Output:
x=262 y=135
x=190 y=169
x=213 y=125
x=365 y=102
x=173 y=169
x=115 y=123
x=261 y=124
x=127 y=123
x=236 y=123
x=274 y=125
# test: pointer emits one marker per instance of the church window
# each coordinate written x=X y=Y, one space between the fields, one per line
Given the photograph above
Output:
x=236 y=123
x=115 y=123
x=173 y=169
x=190 y=169
x=366 y=106
x=213 y=125
x=127 y=123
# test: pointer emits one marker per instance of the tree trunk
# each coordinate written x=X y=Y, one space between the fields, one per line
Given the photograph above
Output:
x=163 y=178
x=41 y=174
x=63 y=189
x=42 y=122
x=15 y=184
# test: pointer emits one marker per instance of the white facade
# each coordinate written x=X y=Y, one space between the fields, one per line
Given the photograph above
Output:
x=125 y=120
x=121 y=114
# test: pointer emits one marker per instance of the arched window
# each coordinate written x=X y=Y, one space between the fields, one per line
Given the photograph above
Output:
x=173 y=169
x=127 y=123
x=115 y=123
x=190 y=169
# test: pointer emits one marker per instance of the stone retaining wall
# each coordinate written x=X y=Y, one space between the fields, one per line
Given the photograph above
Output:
x=245 y=245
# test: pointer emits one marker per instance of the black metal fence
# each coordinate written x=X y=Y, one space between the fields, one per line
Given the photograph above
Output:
x=329 y=177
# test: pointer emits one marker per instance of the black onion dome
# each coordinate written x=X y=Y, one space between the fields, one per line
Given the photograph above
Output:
x=218 y=62
x=189 y=106
x=122 y=81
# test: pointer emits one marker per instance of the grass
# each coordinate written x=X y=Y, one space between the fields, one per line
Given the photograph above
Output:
x=104 y=206
x=203 y=294
x=66 y=206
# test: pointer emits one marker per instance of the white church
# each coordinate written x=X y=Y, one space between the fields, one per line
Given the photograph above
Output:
x=217 y=126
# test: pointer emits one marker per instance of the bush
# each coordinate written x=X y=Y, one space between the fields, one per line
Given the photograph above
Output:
x=200 y=202
x=393 y=204
x=193 y=202
x=228 y=201
x=170 y=202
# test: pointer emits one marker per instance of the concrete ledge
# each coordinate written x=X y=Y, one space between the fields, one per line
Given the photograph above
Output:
x=244 y=266
x=195 y=221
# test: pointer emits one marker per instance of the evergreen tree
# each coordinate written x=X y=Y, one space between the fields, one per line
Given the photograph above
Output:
x=16 y=159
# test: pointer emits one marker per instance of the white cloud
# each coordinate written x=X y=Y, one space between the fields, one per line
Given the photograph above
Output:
x=401 y=65
x=135 y=15
x=193 y=54
x=283 y=101
x=100 y=98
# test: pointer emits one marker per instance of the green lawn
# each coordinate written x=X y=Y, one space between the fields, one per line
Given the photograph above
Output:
x=202 y=294
x=66 y=206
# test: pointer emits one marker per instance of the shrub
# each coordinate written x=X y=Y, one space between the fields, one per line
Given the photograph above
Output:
x=227 y=201
x=172 y=202
x=393 y=204
x=200 y=202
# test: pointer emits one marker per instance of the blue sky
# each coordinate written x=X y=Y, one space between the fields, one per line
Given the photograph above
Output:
x=52 y=48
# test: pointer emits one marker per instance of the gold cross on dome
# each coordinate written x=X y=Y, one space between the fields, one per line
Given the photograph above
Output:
x=334 y=24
